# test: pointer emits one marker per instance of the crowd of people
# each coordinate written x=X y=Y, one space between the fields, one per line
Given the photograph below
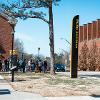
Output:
x=24 y=65
x=37 y=66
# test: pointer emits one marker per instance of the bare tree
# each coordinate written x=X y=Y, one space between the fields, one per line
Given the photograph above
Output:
x=18 y=46
x=59 y=58
x=66 y=58
x=26 y=9
x=93 y=56
x=89 y=58
x=83 y=57
x=98 y=60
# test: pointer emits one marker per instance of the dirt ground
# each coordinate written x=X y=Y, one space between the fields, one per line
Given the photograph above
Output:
x=58 y=85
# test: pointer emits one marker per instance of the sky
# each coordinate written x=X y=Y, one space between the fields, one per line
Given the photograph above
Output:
x=34 y=33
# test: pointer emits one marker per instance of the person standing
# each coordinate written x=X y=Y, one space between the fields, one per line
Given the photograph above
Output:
x=23 y=65
x=0 y=65
x=37 y=67
x=20 y=64
x=6 y=65
x=40 y=65
x=29 y=65
x=44 y=66
x=33 y=65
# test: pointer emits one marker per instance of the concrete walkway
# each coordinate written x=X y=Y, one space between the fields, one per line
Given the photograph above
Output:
x=73 y=98
x=8 y=93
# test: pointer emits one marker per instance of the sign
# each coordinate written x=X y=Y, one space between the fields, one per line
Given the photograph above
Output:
x=13 y=68
x=14 y=52
x=74 y=46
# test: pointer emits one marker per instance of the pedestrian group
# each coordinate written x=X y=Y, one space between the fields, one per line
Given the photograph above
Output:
x=24 y=66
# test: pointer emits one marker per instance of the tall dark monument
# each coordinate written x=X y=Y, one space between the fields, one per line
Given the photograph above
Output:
x=74 y=46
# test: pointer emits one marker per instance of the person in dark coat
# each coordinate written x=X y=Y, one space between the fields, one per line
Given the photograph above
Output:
x=40 y=65
x=33 y=65
x=37 y=67
x=0 y=65
x=23 y=65
x=18 y=65
x=44 y=66
x=6 y=65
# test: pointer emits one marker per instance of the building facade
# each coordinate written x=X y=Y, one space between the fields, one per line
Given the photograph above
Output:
x=5 y=36
x=89 y=34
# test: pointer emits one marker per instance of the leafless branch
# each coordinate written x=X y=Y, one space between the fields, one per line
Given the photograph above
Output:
x=25 y=15
x=30 y=16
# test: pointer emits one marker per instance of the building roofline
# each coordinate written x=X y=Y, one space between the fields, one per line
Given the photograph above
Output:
x=89 y=23
x=84 y=24
x=6 y=17
x=81 y=26
x=3 y=15
x=94 y=21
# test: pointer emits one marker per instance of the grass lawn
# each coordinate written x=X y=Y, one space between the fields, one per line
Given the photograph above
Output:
x=57 y=85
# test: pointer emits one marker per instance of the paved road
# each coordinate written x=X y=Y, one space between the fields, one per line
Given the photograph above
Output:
x=83 y=74
x=8 y=93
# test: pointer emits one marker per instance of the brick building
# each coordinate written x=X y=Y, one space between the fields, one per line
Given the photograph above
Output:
x=89 y=33
x=5 y=36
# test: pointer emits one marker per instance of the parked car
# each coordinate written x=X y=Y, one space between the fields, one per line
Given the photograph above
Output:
x=59 y=67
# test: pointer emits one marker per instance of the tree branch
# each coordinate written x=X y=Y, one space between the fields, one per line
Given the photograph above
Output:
x=25 y=15
x=30 y=16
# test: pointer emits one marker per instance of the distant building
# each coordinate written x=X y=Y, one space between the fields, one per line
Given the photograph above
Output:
x=5 y=36
x=89 y=33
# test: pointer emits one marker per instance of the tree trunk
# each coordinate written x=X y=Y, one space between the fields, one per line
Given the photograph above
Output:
x=51 y=37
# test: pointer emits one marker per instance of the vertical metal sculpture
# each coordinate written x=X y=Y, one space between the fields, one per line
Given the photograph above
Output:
x=74 y=47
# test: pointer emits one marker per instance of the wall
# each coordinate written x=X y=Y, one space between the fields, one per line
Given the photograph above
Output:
x=88 y=33
x=5 y=36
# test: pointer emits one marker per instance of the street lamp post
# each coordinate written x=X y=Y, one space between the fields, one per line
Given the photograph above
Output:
x=12 y=23
x=12 y=48
x=66 y=41
x=65 y=51
x=38 y=52
x=12 y=54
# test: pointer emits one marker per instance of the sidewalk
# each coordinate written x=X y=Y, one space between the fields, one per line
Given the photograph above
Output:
x=8 y=93
x=73 y=98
